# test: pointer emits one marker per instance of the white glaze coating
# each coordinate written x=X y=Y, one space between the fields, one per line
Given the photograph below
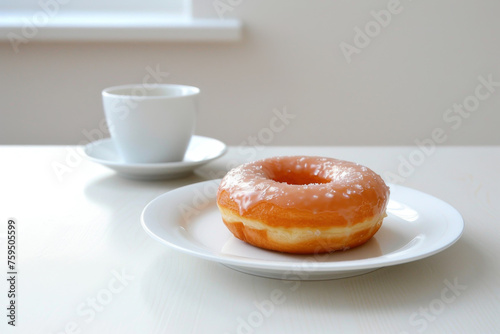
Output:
x=339 y=184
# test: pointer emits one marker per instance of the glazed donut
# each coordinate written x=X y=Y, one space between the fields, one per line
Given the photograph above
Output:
x=303 y=204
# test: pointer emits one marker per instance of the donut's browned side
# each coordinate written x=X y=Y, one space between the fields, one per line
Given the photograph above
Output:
x=302 y=232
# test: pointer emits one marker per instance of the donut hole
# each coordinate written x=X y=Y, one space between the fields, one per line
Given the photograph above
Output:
x=294 y=178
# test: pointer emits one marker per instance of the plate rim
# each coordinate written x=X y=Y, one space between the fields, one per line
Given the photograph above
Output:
x=312 y=266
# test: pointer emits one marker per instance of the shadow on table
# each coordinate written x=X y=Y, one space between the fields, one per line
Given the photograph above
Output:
x=98 y=189
x=403 y=288
x=122 y=201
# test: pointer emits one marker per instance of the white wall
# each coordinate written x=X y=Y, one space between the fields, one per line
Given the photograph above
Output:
x=394 y=91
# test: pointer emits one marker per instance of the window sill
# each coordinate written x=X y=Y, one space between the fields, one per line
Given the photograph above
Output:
x=117 y=28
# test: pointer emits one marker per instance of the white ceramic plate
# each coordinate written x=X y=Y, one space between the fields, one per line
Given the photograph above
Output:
x=418 y=225
x=201 y=150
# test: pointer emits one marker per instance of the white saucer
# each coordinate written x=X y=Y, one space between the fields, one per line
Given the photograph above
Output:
x=201 y=150
x=418 y=225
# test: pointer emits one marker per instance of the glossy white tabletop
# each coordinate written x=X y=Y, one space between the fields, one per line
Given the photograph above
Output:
x=85 y=265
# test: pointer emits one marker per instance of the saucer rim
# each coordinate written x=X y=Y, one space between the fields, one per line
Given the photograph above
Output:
x=116 y=163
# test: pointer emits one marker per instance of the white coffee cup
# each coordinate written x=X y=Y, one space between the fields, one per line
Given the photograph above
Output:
x=151 y=124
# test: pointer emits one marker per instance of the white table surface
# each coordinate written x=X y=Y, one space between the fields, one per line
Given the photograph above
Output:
x=78 y=234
